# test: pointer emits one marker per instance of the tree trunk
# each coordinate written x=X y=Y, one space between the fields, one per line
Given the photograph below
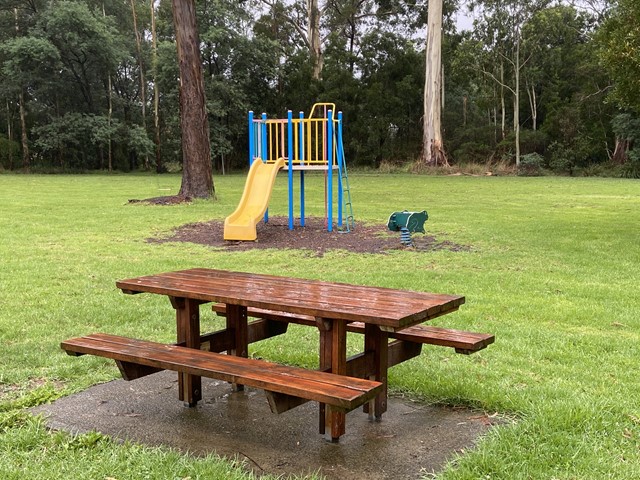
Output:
x=109 y=118
x=464 y=111
x=432 y=149
x=10 y=136
x=502 y=106
x=109 y=112
x=26 y=159
x=24 y=140
x=621 y=150
x=156 y=90
x=197 y=180
x=314 y=38
x=516 y=102
x=143 y=90
x=534 y=107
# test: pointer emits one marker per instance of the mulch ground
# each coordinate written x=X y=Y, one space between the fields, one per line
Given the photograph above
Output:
x=313 y=238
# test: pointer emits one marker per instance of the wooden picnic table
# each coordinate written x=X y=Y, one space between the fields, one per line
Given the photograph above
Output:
x=334 y=308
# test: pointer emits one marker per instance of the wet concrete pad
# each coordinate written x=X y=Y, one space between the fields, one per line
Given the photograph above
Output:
x=411 y=441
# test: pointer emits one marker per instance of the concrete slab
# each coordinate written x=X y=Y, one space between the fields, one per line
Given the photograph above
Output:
x=411 y=441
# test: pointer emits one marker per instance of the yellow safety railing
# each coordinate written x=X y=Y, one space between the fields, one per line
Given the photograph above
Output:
x=309 y=138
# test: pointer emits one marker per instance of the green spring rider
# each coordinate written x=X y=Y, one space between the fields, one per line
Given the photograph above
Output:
x=407 y=223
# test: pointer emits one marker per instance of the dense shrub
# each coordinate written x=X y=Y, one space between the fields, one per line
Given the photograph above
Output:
x=531 y=164
x=9 y=154
x=472 y=152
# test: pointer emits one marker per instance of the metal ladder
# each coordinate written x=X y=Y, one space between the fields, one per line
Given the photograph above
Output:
x=346 y=192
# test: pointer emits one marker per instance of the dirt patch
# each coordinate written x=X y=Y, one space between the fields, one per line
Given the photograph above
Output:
x=313 y=237
x=167 y=200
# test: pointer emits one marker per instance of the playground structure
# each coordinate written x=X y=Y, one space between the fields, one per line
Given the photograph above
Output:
x=295 y=144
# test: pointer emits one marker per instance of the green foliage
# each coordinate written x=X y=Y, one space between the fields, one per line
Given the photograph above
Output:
x=627 y=129
x=564 y=158
x=531 y=164
x=9 y=153
x=531 y=141
x=73 y=58
x=472 y=152
x=619 y=41
x=626 y=126
x=27 y=61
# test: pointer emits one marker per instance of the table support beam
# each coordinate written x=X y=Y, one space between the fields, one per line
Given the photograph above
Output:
x=237 y=325
x=333 y=356
x=188 y=328
x=376 y=342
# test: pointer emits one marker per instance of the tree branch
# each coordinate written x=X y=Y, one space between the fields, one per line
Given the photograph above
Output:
x=602 y=90
x=495 y=79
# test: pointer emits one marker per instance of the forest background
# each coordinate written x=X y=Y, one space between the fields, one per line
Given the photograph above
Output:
x=94 y=84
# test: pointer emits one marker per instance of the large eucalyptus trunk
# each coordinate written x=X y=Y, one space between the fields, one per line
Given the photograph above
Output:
x=314 y=38
x=196 y=150
x=432 y=148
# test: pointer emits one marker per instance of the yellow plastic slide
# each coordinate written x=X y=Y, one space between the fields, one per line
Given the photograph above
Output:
x=241 y=224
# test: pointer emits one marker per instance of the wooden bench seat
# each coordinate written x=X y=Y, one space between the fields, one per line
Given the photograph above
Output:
x=463 y=342
x=137 y=358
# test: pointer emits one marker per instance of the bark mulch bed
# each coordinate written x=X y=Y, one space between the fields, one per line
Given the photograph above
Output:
x=313 y=238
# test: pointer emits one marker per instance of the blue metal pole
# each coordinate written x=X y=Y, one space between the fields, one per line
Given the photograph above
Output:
x=252 y=145
x=301 y=150
x=340 y=160
x=330 y=173
x=263 y=127
x=290 y=163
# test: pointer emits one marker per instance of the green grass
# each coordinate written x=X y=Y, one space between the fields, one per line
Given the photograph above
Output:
x=552 y=271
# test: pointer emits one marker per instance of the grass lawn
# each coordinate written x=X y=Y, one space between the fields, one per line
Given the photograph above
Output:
x=552 y=271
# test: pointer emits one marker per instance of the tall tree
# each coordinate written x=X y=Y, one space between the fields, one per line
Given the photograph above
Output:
x=26 y=157
x=143 y=83
x=503 y=21
x=197 y=180
x=156 y=88
x=619 y=41
x=432 y=148
x=620 y=52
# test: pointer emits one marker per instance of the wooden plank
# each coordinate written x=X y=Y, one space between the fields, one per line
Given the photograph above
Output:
x=223 y=340
x=394 y=308
x=446 y=337
x=463 y=342
x=340 y=391
x=274 y=285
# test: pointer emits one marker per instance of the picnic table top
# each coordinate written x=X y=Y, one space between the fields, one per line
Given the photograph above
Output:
x=392 y=308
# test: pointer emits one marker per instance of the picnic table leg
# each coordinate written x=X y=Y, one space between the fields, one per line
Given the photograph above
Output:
x=377 y=342
x=333 y=355
x=188 y=328
x=237 y=323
